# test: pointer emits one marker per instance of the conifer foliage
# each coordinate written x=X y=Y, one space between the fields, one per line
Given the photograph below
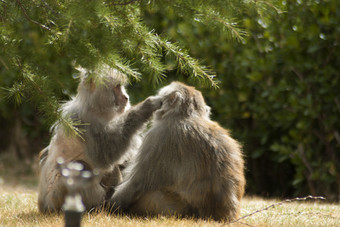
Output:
x=42 y=41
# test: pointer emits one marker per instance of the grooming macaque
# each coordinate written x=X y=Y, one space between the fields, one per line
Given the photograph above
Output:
x=110 y=138
x=188 y=165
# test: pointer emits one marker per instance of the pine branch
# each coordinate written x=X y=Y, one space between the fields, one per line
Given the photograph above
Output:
x=146 y=48
x=125 y=68
x=235 y=32
x=15 y=92
x=23 y=10
x=268 y=6
x=71 y=127
x=209 y=14
x=91 y=33
x=122 y=2
x=35 y=88
x=152 y=44
x=186 y=63
x=47 y=6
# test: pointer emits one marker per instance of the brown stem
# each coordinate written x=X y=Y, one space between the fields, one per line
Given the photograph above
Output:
x=30 y=19
x=123 y=3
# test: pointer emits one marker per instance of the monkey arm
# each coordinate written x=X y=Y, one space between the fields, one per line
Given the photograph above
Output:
x=107 y=146
x=125 y=194
x=51 y=189
x=134 y=119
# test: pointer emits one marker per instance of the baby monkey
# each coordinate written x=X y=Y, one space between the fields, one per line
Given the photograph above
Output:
x=188 y=165
x=110 y=138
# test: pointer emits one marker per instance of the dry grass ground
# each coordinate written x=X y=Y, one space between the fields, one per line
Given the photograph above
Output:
x=18 y=207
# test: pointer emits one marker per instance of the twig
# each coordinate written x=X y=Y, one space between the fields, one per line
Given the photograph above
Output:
x=49 y=7
x=123 y=3
x=298 y=74
x=28 y=18
x=278 y=204
x=337 y=103
x=301 y=152
x=243 y=223
x=3 y=14
x=337 y=137
x=3 y=63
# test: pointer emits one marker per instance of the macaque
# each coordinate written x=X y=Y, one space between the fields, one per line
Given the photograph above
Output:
x=188 y=165
x=110 y=138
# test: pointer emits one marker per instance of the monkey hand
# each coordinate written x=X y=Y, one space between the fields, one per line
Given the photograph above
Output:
x=155 y=101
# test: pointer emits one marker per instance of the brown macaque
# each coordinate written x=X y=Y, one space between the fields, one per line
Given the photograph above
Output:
x=111 y=137
x=188 y=165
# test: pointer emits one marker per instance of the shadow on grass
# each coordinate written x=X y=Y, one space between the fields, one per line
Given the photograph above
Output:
x=18 y=173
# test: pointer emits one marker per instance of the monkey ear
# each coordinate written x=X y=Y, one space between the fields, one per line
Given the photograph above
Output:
x=83 y=73
x=92 y=84
x=193 y=100
x=208 y=110
x=174 y=98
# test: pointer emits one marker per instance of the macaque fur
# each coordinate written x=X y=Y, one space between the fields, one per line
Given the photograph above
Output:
x=110 y=138
x=188 y=165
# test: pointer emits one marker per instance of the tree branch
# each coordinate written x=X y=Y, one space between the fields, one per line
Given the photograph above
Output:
x=123 y=3
x=23 y=10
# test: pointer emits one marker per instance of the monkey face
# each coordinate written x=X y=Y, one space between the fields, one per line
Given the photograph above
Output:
x=121 y=98
x=105 y=92
x=110 y=97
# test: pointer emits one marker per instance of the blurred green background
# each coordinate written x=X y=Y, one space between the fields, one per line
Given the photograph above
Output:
x=279 y=90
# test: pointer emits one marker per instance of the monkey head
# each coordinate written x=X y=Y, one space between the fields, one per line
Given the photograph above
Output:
x=182 y=100
x=103 y=89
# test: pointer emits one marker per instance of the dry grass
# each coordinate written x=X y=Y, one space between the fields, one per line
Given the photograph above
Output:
x=18 y=207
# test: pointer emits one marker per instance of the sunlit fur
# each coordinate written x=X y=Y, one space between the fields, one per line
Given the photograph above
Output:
x=110 y=137
x=187 y=165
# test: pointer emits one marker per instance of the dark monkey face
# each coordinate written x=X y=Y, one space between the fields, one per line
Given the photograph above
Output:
x=110 y=95
x=121 y=98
